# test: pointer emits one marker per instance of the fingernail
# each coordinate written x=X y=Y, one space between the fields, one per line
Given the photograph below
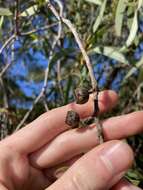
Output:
x=117 y=158
x=60 y=171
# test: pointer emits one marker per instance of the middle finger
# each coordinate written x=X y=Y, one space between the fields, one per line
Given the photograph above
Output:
x=77 y=141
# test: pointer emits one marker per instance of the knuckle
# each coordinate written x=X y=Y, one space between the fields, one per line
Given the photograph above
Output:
x=62 y=144
x=71 y=106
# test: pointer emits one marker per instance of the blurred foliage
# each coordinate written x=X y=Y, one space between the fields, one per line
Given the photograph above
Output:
x=112 y=32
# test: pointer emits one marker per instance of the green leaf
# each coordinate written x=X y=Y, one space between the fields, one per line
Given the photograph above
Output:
x=134 y=174
x=140 y=4
x=122 y=4
x=135 y=182
x=111 y=52
x=134 y=26
x=5 y=12
x=97 y=2
x=100 y=16
x=63 y=52
x=3 y=110
x=1 y=21
x=133 y=31
x=29 y=11
x=132 y=70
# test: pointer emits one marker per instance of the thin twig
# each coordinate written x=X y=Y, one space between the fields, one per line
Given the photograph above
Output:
x=9 y=63
x=45 y=104
x=12 y=38
x=7 y=43
x=39 y=29
x=59 y=79
x=3 y=115
x=5 y=68
x=16 y=31
x=99 y=130
x=54 y=44
x=29 y=111
x=21 y=34
x=5 y=99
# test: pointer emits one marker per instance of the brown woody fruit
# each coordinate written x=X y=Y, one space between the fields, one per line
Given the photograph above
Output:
x=72 y=119
x=81 y=95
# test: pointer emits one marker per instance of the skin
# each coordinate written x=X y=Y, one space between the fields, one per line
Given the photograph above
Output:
x=34 y=158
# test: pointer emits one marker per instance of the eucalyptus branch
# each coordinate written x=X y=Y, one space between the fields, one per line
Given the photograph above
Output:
x=79 y=42
x=88 y=64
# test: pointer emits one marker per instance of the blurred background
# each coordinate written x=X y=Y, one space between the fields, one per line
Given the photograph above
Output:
x=41 y=63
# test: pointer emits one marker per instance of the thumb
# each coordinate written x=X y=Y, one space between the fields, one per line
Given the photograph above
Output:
x=97 y=169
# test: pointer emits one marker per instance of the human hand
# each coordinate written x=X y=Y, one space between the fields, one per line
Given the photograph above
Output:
x=31 y=158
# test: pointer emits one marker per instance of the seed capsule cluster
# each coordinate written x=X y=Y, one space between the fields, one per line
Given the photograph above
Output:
x=81 y=97
x=72 y=119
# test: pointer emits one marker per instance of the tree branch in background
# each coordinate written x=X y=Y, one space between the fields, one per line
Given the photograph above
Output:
x=38 y=30
x=16 y=29
x=13 y=37
x=45 y=104
x=21 y=35
x=10 y=42
x=3 y=113
x=5 y=69
x=5 y=99
x=59 y=79
x=43 y=90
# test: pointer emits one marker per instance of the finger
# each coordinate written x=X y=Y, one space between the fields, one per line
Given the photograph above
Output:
x=50 y=124
x=123 y=126
x=97 y=168
x=123 y=184
x=73 y=142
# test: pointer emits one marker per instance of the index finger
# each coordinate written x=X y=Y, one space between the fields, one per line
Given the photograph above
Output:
x=50 y=124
